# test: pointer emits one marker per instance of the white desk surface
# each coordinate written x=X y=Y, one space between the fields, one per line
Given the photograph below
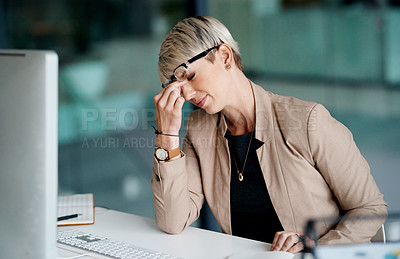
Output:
x=143 y=232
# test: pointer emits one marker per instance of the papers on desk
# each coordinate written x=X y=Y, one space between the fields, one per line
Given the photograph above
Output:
x=265 y=255
x=80 y=204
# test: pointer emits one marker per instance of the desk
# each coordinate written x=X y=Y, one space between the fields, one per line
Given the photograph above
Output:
x=143 y=232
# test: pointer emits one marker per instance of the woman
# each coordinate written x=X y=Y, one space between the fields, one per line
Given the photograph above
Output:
x=265 y=163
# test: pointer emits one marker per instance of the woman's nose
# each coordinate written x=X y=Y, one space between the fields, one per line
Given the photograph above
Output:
x=188 y=92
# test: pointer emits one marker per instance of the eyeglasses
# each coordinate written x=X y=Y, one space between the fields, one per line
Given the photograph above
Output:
x=181 y=72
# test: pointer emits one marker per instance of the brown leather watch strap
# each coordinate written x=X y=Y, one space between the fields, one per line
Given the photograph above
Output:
x=174 y=152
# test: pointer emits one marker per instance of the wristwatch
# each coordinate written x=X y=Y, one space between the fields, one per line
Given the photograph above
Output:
x=163 y=154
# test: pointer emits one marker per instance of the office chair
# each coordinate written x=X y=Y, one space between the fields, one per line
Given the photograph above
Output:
x=380 y=236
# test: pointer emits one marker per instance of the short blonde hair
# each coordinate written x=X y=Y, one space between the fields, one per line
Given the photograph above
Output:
x=188 y=38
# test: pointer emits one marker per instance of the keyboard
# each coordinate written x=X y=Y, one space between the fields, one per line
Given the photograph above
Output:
x=106 y=247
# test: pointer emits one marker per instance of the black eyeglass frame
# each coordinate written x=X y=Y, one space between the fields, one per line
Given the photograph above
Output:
x=186 y=64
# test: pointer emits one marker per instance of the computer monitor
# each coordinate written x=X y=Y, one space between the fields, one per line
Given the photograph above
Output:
x=28 y=153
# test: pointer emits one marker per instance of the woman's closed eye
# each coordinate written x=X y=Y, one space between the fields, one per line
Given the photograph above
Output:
x=191 y=76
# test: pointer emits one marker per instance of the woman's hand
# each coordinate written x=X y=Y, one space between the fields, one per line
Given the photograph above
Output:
x=287 y=241
x=168 y=107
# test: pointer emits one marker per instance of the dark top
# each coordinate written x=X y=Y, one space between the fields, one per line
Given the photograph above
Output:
x=252 y=213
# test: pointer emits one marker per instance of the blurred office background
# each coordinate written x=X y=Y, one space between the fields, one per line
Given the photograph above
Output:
x=344 y=54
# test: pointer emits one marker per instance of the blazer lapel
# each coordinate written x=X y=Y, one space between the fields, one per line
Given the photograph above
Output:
x=222 y=164
x=269 y=158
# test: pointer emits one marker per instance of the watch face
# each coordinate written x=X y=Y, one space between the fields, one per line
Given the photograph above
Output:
x=161 y=154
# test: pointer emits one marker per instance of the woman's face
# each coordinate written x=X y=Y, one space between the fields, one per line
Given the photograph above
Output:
x=207 y=85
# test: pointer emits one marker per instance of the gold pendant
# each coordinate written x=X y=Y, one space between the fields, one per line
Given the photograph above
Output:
x=240 y=176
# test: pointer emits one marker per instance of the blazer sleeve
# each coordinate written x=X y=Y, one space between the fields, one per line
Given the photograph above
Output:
x=177 y=191
x=345 y=170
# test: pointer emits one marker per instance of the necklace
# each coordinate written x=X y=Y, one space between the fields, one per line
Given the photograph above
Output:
x=240 y=174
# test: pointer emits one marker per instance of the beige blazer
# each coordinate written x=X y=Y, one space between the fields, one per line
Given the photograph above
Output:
x=311 y=166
